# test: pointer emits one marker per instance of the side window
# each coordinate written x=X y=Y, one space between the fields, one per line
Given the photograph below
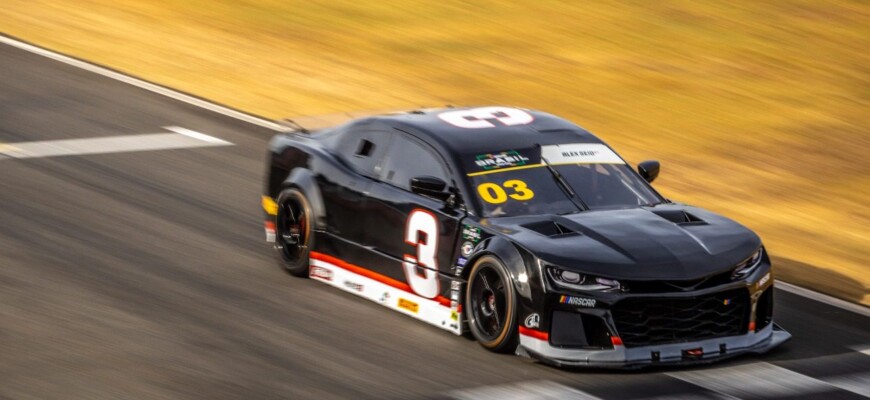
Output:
x=364 y=150
x=408 y=158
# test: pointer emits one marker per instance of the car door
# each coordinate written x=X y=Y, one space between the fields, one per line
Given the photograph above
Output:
x=344 y=194
x=414 y=236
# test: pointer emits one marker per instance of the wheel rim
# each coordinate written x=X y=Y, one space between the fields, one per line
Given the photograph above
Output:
x=488 y=303
x=292 y=234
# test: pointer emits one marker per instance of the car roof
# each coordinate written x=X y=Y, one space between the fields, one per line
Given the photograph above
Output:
x=430 y=125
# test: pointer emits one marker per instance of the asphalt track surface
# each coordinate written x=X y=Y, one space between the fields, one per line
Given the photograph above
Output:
x=145 y=275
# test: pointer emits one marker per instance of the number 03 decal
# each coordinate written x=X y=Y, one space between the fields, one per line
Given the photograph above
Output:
x=424 y=281
x=495 y=194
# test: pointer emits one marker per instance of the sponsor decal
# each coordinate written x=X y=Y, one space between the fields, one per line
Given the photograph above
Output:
x=454 y=295
x=459 y=269
x=270 y=231
x=353 y=286
x=580 y=153
x=466 y=249
x=471 y=233
x=461 y=261
x=454 y=315
x=762 y=281
x=510 y=158
x=577 y=301
x=320 y=272
x=409 y=305
x=387 y=291
x=269 y=206
x=533 y=321
x=455 y=285
x=384 y=297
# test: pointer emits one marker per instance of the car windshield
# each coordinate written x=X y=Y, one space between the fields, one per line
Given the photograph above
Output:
x=520 y=186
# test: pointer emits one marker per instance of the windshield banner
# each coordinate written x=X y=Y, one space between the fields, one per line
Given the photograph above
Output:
x=579 y=153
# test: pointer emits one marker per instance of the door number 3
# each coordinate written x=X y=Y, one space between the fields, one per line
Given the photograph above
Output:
x=423 y=281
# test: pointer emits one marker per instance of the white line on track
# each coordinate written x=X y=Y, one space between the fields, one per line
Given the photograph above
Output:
x=823 y=298
x=142 y=84
x=182 y=139
x=754 y=380
x=537 y=390
x=276 y=127
x=863 y=349
x=197 y=135
x=856 y=383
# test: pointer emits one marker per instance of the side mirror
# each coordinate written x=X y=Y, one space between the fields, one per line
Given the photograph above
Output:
x=430 y=186
x=649 y=170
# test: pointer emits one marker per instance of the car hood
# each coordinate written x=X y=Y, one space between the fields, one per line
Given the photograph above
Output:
x=668 y=242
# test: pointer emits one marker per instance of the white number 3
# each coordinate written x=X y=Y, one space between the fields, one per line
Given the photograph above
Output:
x=477 y=118
x=424 y=281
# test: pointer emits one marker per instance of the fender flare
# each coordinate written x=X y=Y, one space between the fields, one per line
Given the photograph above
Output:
x=304 y=180
x=512 y=258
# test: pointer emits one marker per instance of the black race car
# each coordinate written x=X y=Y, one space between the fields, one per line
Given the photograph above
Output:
x=522 y=228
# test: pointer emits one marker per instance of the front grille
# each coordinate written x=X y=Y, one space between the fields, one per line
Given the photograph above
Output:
x=650 y=321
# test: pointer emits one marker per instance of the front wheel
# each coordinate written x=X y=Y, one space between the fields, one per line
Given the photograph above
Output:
x=293 y=233
x=491 y=303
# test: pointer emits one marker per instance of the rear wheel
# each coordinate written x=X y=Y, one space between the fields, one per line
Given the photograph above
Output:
x=293 y=234
x=491 y=304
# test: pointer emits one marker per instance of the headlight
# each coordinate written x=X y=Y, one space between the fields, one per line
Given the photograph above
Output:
x=749 y=265
x=577 y=281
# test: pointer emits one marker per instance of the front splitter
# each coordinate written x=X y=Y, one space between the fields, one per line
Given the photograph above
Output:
x=620 y=357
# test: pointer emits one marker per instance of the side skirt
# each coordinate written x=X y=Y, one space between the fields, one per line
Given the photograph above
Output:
x=385 y=291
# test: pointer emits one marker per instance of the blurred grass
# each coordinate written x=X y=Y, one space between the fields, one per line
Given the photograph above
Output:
x=759 y=110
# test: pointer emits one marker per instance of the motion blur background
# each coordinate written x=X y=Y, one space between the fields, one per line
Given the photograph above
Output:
x=757 y=110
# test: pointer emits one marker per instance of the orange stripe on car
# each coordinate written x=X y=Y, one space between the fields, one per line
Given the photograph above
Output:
x=541 y=335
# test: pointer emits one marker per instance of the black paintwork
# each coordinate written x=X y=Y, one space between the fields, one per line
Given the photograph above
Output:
x=362 y=219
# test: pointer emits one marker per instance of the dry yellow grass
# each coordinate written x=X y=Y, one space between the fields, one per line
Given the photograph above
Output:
x=758 y=110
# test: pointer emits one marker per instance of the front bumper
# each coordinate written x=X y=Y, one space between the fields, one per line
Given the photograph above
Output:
x=666 y=354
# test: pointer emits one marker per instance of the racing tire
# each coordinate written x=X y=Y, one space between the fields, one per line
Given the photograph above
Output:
x=490 y=300
x=293 y=232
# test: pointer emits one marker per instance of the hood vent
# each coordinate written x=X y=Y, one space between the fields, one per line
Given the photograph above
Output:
x=550 y=229
x=679 y=217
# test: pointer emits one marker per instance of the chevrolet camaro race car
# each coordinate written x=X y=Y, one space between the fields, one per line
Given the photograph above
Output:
x=522 y=228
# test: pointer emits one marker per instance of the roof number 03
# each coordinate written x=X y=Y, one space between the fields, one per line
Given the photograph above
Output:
x=485 y=117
